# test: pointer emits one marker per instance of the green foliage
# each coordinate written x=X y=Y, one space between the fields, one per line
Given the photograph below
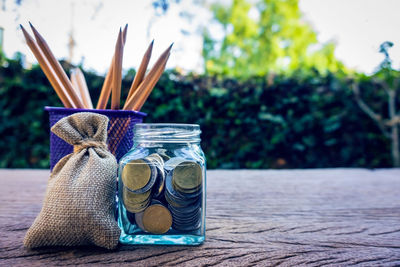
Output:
x=302 y=121
x=263 y=37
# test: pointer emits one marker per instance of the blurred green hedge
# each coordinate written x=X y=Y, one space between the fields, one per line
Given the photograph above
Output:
x=302 y=121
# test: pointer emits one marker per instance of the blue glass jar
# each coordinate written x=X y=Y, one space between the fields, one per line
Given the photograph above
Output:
x=162 y=186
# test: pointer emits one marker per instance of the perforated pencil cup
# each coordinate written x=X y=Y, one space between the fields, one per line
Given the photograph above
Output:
x=120 y=131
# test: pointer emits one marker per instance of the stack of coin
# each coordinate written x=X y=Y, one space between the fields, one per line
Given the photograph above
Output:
x=155 y=219
x=135 y=202
x=158 y=162
x=138 y=178
x=184 y=195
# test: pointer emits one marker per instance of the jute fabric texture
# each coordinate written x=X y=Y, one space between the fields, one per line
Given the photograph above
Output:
x=79 y=205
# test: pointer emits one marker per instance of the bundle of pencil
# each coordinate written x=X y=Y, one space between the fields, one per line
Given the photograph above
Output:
x=74 y=92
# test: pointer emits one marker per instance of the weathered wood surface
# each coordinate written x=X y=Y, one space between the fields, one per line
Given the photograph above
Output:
x=266 y=218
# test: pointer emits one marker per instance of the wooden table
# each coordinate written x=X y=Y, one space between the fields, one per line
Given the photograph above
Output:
x=260 y=217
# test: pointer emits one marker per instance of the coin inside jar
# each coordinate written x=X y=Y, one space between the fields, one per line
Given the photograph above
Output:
x=129 y=196
x=139 y=220
x=136 y=174
x=187 y=176
x=157 y=219
x=137 y=207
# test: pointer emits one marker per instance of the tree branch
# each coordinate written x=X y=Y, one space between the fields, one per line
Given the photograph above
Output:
x=394 y=121
x=373 y=115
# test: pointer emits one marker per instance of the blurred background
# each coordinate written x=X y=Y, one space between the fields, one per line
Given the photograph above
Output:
x=272 y=83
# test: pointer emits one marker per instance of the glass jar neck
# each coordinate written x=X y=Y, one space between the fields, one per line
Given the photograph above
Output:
x=166 y=133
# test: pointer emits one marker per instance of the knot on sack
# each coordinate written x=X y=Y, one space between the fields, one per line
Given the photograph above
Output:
x=89 y=143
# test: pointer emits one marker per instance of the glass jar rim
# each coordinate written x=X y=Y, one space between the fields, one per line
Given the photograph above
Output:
x=160 y=125
x=167 y=132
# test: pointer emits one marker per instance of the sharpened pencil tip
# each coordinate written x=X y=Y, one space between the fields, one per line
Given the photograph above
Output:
x=24 y=31
x=125 y=33
x=35 y=32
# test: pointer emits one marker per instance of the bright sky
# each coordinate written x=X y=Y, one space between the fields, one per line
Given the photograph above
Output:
x=358 y=27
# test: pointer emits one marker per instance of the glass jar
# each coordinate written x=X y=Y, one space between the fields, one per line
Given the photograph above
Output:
x=162 y=186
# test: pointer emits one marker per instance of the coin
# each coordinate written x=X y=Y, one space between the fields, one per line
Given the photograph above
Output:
x=169 y=189
x=185 y=210
x=135 y=208
x=183 y=192
x=129 y=203
x=131 y=197
x=157 y=219
x=152 y=180
x=171 y=201
x=177 y=202
x=135 y=202
x=138 y=217
x=188 y=227
x=186 y=191
x=179 y=212
x=136 y=174
x=176 y=195
x=187 y=175
x=158 y=188
x=139 y=220
x=186 y=219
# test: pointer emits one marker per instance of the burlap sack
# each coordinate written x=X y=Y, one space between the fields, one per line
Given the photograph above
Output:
x=79 y=204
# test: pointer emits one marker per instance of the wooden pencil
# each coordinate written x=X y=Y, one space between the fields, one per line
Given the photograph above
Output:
x=48 y=71
x=76 y=85
x=148 y=80
x=106 y=88
x=83 y=88
x=141 y=71
x=117 y=73
x=74 y=93
x=143 y=97
x=62 y=76
x=125 y=33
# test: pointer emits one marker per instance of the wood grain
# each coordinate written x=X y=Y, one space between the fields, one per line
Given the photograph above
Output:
x=336 y=217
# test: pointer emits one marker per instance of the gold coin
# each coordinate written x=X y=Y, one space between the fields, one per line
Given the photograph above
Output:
x=135 y=208
x=157 y=219
x=135 y=205
x=136 y=174
x=172 y=202
x=130 y=197
x=187 y=175
x=186 y=191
